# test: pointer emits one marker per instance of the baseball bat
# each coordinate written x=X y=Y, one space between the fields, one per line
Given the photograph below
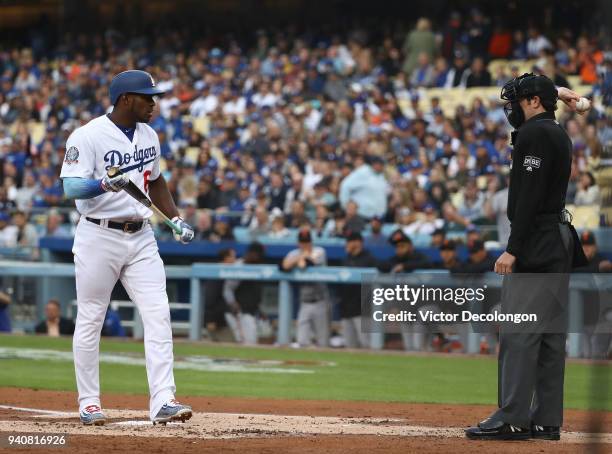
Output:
x=141 y=197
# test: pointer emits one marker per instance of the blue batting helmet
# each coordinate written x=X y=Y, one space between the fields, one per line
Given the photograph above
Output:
x=132 y=81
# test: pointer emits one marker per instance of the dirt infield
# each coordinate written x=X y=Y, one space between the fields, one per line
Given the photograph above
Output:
x=265 y=425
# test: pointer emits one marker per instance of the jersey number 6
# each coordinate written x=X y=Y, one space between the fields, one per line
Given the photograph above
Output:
x=146 y=180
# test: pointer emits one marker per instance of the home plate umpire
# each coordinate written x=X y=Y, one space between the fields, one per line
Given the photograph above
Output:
x=542 y=240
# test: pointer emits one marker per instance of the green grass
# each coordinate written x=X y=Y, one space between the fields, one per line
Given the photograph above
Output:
x=353 y=376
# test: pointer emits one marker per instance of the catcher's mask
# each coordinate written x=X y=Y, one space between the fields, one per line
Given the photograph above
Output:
x=525 y=87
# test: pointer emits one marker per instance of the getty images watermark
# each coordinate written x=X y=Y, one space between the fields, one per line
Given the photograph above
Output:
x=404 y=294
x=486 y=303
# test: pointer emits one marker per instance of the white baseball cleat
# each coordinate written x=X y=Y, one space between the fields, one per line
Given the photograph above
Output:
x=172 y=411
x=92 y=416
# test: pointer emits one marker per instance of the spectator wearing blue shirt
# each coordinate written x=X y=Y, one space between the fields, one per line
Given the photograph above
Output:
x=472 y=205
x=164 y=145
x=367 y=186
x=230 y=145
x=243 y=199
x=228 y=190
x=55 y=227
x=17 y=159
x=159 y=124
x=440 y=72
x=423 y=75
x=375 y=238
x=315 y=81
x=50 y=192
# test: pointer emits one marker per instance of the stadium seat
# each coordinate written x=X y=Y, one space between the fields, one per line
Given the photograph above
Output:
x=201 y=125
x=494 y=64
x=37 y=131
x=421 y=240
x=574 y=81
x=603 y=237
x=606 y=195
x=604 y=176
x=242 y=234
x=524 y=66
x=585 y=217
x=192 y=153
x=583 y=90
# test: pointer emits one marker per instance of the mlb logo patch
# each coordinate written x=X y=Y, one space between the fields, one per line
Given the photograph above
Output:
x=531 y=162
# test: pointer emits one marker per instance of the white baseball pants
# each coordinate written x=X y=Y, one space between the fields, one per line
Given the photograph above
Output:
x=101 y=257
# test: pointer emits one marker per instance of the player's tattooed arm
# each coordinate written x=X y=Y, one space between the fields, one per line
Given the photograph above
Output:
x=82 y=188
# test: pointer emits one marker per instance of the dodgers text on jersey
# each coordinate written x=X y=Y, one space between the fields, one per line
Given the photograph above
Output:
x=140 y=158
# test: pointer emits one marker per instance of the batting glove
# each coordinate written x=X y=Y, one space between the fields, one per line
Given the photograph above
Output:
x=116 y=183
x=187 y=233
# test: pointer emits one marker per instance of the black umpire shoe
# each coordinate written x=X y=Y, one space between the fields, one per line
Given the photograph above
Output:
x=545 y=432
x=497 y=430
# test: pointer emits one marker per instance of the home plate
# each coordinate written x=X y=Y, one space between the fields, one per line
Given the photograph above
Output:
x=135 y=423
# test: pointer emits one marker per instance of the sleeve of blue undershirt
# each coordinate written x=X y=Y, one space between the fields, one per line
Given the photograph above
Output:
x=82 y=188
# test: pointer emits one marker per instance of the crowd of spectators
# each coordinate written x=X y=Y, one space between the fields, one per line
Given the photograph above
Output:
x=290 y=130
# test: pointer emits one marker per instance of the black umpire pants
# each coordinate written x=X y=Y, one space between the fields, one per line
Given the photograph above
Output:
x=531 y=364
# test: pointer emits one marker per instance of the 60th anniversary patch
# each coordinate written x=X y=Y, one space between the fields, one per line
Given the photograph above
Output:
x=72 y=156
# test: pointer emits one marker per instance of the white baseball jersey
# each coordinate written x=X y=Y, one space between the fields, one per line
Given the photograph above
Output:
x=100 y=144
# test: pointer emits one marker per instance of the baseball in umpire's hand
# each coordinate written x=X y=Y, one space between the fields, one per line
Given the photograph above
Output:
x=114 y=180
x=187 y=232
x=573 y=100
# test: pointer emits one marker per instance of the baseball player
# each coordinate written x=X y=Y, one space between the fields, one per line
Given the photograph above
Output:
x=313 y=315
x=243 y=299
x=114 y=241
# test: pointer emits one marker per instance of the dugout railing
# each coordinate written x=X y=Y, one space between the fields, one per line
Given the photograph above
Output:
x=198 y=272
